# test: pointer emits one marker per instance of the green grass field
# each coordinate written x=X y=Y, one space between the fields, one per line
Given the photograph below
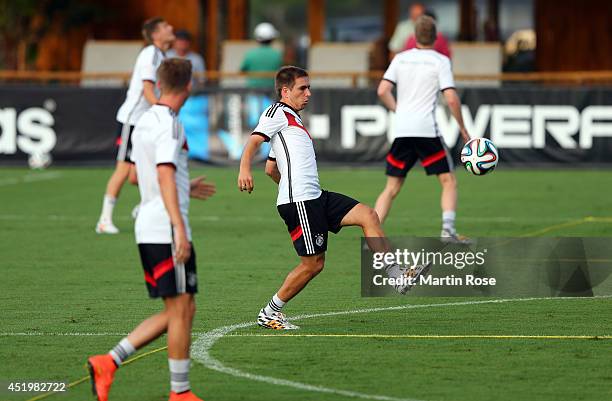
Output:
x=59 y=277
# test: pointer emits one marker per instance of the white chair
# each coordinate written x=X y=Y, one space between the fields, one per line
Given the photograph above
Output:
x=101 y=56
x=339 y=57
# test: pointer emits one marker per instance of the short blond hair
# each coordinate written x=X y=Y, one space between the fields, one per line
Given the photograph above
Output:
x=425 y=30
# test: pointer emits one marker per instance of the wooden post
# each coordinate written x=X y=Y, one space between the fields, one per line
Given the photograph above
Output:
x=391 y=14
x=316 y=20
x=237 y=11
x=492 y=22
x=211 y=19
x=467 y=26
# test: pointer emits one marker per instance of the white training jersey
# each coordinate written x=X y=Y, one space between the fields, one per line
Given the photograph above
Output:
x=159 y=138
x=294 y=152
x=419 y=76
x=148 y=61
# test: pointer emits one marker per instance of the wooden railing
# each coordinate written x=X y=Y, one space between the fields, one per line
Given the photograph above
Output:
x=75 y=77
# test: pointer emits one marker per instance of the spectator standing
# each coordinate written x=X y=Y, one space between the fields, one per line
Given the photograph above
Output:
x=404 y=29
x=181 y=48
x=440 y=45
x=263 y=58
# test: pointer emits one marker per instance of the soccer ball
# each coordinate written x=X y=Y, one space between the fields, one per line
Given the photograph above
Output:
x=479 y=156
x=39 y=161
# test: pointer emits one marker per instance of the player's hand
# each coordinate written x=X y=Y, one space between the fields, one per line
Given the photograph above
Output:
x=200 y=189
x=245 y=182
x=182 y=247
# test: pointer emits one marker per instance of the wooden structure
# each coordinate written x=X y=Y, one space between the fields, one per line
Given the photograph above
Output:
x=570 y=35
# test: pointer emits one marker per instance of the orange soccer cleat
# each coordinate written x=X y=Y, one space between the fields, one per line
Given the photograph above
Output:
x=186 y=396
x=101 y=371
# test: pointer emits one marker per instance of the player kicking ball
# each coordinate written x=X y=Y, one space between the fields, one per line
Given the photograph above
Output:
x=309 y=212
x=163 y=235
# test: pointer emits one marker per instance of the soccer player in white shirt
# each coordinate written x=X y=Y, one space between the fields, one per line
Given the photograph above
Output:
x=163 y=235
x=141 y=94
x=419 y=75
x=309 y=212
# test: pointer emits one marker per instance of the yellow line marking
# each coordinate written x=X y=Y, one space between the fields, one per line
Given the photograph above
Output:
x=433 y=336
x=544 y=230
x=592 y=219
x=86 y=378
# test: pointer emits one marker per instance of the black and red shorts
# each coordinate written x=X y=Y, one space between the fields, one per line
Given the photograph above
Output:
x=406 y=151
x=309 y=221
x=124 y=142
x=163 y=277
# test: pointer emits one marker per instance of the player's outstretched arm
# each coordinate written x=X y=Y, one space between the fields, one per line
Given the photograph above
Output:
x=454 y=104
x=272 y=171
x=169 y=193
x=245 y=177
x=200 y=189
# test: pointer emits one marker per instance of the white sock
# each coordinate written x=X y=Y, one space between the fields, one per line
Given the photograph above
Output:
x=448 y=220
x=107 y=208
x=275 y=305
x=122 y=351
x=179 y=375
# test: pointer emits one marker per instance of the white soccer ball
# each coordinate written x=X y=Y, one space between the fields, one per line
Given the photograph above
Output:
x=39 y=160
x=479 y=156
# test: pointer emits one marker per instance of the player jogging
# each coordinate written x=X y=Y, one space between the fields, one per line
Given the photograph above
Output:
x=420 y=74
x=141 y=94
x=163 y=235
x=308 y=212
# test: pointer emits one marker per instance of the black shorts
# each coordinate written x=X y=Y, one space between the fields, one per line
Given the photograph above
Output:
x=162 y=276
x=124 y=142
x=406 y=151
x=309 y=221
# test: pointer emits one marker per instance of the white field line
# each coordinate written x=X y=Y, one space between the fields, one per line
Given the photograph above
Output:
x=31 y=177
x=200 y=350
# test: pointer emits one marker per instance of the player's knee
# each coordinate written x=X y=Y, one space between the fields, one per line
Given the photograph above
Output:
x=393 y=189
x=372 y=218
x=183 y=307
x=448 y=180
x=315 y=265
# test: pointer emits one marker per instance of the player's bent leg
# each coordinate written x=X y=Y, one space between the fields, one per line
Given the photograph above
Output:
x=367 y=218
x=102 y=367
x=386 y=197
x=309 y=268
x=271 y=316
x=149 y=330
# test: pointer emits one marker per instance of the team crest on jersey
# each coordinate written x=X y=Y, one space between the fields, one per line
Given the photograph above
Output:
x=319 y=239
